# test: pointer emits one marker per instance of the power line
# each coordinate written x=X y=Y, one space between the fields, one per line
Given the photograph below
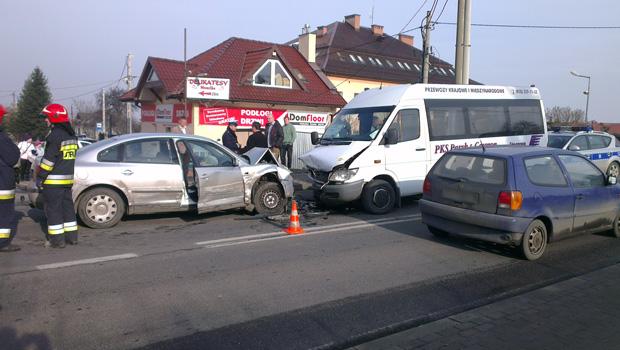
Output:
x=412 y=17
x=531 y=26
x=442 y=9
x=87 y=93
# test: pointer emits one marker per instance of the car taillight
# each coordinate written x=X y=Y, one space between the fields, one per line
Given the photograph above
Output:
x=510 y=200
x=426 y=188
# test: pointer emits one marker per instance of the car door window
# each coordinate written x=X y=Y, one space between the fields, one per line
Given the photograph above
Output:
x=581 y=142
x=582 y=173
x=206 y=154
x=111 y=154
x=155 y=151
x=597 y=141
x=544 y=171
x=407 y=123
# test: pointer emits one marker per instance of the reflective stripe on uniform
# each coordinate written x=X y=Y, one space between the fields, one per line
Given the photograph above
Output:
x=58 y=182
x=70 y=226
x=46 y=165
x=55 y=229
x=5 y=233
x=60 y=177
x=69 y=142
x=7 y=194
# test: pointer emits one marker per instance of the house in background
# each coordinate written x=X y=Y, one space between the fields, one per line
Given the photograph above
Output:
x=357 y=58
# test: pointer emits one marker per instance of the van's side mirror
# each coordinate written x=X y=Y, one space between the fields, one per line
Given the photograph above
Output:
x=391 y=136
x=574 y=148
x=314 y=138
x=612 y=180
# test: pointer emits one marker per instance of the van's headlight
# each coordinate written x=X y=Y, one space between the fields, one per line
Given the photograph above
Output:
x=342 y=175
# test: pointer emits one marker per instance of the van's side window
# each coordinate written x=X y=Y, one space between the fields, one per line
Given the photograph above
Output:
x=407 y=122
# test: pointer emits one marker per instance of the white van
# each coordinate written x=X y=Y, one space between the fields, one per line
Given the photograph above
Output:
x=380 y=146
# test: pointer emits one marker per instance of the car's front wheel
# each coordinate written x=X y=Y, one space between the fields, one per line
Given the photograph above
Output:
x=378 y=197
x=534 y=241
x=269 y=199
x=101 y=208
x=613 y=169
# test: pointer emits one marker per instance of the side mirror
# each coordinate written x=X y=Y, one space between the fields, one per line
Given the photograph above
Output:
x=612 y=180
x=574 y=148
x=391 y=137
x=314 y=138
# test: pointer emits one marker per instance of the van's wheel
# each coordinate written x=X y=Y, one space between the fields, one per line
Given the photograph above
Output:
x=101 y=208
x=613 y=169
x=437 y=232
x=269 y=199
x=616 y=229
x=534 y=241
x=378 y=197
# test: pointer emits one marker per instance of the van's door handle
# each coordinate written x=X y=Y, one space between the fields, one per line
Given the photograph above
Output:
x=127 y=172
x=204 y=177
x=420 y=149
x=579 y=196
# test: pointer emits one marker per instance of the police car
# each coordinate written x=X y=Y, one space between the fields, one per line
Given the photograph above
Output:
x=601 y=148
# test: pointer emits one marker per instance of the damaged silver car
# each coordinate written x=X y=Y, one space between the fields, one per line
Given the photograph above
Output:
x=154 y=173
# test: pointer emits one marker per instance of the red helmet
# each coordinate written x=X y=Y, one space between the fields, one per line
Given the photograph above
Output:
x=55 y=113
x=2 y=113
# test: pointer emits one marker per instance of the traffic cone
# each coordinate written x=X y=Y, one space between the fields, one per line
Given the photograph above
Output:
x=294 y=227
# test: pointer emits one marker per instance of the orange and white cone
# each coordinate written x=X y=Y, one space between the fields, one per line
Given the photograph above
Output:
x=294 y=227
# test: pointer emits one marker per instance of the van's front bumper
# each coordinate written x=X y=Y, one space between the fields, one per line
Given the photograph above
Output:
x=338 y=193
x=474 y=224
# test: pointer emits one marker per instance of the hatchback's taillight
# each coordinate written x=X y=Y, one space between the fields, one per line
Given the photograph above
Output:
x=426 y=188
x=510 y=200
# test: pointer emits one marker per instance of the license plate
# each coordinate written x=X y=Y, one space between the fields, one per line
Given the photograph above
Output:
x=461 y=196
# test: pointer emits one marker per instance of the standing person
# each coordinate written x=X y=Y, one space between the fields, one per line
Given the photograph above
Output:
x=181 y=127
x=229 y=139
x=257 y=139
x=25 y=148
x=275 y=136
x=9 y=156
x=287 y=144
x=56 y=177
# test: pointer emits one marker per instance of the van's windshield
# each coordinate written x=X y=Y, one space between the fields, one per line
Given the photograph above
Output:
x=356 y=124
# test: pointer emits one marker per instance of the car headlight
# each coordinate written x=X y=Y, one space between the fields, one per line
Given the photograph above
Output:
x=341 y=175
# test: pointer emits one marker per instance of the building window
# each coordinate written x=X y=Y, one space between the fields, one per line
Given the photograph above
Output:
x=416 y=67
x=361 y=59
x=152 y=76
x=379 y=62
x=372 y=61
x=340 y=57
x=353 y=58
x=400 y=65
x=272 y=74
x=407 y=65
x=389 y=63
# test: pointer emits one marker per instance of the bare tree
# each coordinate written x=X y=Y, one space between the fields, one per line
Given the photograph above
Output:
x=564 y=115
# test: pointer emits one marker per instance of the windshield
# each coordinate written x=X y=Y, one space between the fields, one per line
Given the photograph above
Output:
x=558 y=141
x=357 y=124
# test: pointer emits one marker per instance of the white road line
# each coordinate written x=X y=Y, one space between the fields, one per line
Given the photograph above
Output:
x=87 y=261
x=283 y=235
x=311 y=229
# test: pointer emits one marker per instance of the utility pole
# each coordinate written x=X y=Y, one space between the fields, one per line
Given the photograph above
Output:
x=103 y=112
x=185 y=114
x=14 y=99
x=463 y=42
x=129 y=87
x=427 y=40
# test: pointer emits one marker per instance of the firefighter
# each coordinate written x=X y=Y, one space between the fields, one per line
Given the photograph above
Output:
x=9 y=156
x=55 y=177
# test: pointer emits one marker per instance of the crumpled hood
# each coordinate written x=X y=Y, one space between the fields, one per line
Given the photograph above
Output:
x=258 y=154
x=325 y=158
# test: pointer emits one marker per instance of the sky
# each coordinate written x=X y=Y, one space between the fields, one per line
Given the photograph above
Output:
x=84 y=43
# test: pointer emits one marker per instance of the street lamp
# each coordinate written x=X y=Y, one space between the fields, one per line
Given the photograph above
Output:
x=587 y=92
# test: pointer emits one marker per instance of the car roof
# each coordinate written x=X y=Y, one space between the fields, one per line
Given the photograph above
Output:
x=103 y=144
x=511 y=151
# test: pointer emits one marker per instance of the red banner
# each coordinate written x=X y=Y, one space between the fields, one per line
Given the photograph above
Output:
x=161 y=113
x=243 y=116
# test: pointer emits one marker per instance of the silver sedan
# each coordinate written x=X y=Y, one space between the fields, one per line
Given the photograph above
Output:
x=153 y=173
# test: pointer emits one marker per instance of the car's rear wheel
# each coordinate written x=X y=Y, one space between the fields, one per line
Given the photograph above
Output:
x=616 y=229
x=101 y=208
x=534 y=241
x=378 y=197
x=269 y=199
x=437 y=232
x=613 y=169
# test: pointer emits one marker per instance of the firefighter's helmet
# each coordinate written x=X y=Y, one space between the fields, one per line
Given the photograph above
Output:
x=2 y=113
x=55 y=113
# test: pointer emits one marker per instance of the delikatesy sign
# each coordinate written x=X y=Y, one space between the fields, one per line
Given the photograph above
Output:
x=207 y=88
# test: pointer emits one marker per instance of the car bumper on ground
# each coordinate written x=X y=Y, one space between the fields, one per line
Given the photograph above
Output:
x=338 y=193
x=474 y=224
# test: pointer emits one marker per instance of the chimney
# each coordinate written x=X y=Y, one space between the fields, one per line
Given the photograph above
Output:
x=377 y=30
x=321 y=30
x=407 y=39
x=307 y=45
x=353 y=20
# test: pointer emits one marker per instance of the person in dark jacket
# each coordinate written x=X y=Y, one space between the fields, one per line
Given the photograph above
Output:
x=257 y=139
x=9 y=156
x=56 y=177
x=275 y=136
x=229 y=139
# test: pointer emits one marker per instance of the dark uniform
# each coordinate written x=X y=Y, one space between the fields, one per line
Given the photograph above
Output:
x=56 y=177
x=9 y=156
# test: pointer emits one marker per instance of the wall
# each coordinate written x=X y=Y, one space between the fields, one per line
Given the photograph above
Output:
x=348 y=87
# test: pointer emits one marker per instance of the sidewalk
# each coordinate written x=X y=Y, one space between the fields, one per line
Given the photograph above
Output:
x=580 y=313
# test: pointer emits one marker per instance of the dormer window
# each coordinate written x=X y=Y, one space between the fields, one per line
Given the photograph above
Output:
x=272 y=74
x=152 y=76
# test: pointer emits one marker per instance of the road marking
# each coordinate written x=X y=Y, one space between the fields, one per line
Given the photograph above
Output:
x=280 y=235
x=311 y=229
x=87 y=261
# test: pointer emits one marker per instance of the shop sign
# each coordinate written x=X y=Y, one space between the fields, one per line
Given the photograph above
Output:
x=207 y=88
x=164 y=113
x=303 y=121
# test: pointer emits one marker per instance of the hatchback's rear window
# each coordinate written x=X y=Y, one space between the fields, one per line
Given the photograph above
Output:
x=480 y=169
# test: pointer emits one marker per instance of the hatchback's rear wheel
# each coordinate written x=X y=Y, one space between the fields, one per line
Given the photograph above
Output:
x=534 y=241
x=613 y=169
x=101 y=208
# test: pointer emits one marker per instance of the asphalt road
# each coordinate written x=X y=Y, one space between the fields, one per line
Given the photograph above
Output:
x=233 y=281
